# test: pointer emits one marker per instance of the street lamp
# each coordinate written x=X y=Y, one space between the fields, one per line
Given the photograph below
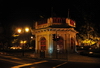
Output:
x=23 y=41
x=19 y=30
x=27 y=29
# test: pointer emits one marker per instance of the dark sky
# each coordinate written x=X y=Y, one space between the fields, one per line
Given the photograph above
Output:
x=26 y=11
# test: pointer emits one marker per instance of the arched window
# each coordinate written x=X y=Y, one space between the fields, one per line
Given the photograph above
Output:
x=43 y=43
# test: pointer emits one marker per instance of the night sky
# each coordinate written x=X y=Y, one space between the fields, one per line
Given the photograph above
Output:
x=15 y=12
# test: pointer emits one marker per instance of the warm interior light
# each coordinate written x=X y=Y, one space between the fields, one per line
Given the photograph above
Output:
x=22 y=41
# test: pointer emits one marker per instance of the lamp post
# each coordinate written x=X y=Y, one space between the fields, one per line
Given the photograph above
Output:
x=23 y=41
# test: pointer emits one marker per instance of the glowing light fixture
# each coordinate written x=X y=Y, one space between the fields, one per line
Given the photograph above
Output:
x=90 y=52
x=50 y=50
x=27 y=29
x=19 y=30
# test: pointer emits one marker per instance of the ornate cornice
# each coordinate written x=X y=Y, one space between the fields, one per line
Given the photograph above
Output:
x=53 y=29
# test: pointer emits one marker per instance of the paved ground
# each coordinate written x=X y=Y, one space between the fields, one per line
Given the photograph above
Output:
x=79 y=58
x=75 y=57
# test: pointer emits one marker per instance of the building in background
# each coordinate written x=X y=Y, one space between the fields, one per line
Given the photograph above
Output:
x=54 y=36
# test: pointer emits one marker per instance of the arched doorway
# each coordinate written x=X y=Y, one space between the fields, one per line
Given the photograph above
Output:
x=42 y=47
x=72 y=44
x=60 y=45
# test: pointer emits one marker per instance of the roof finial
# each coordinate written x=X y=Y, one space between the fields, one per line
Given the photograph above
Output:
x=51 y=11
x=68 y=13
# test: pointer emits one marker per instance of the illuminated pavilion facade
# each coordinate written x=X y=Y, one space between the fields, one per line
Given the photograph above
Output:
x=54 y=36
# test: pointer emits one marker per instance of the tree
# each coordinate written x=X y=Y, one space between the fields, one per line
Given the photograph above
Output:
x=88 y=34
